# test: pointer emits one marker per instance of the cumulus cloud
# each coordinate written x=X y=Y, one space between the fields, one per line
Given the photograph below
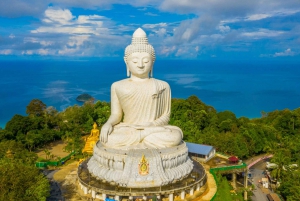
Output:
x=62 y=33
x=198 y=27
x=59 y=20
x=61 y=16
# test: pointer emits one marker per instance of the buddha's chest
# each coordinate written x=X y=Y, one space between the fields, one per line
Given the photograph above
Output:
x=137 y=90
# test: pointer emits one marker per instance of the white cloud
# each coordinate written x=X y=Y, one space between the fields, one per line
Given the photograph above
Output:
x=82 y=35
x=161 y=32
x=262 y=33
x=43 y=52
x=153 y=26
x=62 y=21
x=223 y=28
x=151 y=14
x=187 y=34
x=272 y=13
x=255 y=17
x=6 y=52
x=27 y=52
x=216 y=7
x=61 y=16
x=287 y=52
x=167 y=50
x=213 y=25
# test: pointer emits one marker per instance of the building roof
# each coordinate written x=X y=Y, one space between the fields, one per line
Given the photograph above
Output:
x=233 y=159
x=199 y=148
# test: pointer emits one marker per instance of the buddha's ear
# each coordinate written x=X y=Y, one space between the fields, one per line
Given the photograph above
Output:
x=127 y=69
x=128 y=72
x=151 y=71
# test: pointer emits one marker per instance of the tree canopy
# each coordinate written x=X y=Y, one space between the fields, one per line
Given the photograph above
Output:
x=276 y=132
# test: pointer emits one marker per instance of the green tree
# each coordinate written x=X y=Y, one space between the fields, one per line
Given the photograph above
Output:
x=281 y=158
x=290 y=188
x=17 y=124
x=21 y=181
x=36 y=107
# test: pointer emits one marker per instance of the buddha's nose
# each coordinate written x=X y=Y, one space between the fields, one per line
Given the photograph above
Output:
x=140 y=64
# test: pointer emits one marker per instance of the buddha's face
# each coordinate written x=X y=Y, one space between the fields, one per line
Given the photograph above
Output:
x=139 y=64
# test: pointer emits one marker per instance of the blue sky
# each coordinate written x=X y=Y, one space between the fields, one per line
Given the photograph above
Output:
x=181 y=29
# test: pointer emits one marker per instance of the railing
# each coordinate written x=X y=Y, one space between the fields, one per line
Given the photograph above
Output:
x=54 y=163
x=222 y=154
x=231 y=167
x=258 y=160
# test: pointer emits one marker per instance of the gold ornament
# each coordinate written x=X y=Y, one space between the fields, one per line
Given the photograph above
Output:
x=143 y=166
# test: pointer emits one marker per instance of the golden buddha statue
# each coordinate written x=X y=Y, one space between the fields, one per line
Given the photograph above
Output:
x=91 y=140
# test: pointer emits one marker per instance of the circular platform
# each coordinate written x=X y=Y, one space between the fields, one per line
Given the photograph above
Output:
x=140 y=168
x=102 y=189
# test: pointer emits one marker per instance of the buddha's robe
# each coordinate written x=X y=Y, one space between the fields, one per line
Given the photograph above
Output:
x=144 y=101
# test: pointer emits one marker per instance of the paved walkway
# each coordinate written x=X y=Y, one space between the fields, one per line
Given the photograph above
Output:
x=259 y=193
x=55 y=191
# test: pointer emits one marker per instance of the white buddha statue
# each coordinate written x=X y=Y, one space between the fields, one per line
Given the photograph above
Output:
x=140 y=104
x=137 y=147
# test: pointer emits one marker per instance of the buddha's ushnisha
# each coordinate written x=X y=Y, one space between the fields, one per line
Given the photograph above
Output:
x=144 y=101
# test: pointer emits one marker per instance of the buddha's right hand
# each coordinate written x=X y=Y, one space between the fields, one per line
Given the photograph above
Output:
x=105 y=131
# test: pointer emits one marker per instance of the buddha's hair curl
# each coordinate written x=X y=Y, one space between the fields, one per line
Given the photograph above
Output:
x=139 y=44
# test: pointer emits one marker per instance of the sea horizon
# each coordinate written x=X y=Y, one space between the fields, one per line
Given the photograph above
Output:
x=245 y=87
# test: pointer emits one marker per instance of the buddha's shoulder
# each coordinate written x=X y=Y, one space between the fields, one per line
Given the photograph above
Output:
x=120 y=83
x=161 y=82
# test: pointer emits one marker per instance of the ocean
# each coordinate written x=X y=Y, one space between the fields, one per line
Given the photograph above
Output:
x=243 y=87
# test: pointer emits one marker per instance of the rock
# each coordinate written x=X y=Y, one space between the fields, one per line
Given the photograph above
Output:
x=84 y=98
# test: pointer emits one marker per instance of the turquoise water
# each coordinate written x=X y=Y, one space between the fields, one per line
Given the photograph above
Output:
x=244 y=87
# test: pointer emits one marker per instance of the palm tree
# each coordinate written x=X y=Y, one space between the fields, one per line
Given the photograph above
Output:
x=280 y=158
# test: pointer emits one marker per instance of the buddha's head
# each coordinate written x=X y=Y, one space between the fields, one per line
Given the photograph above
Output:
x=95 y=125
x=139 y=55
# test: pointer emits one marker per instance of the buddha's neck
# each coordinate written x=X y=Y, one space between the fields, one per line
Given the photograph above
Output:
x=139 y=79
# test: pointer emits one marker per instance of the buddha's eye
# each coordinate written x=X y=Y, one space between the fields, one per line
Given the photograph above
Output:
x=146 y=60
x=134 y=60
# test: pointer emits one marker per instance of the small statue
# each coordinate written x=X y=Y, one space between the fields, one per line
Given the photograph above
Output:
x=145 y=102
x=91 y=140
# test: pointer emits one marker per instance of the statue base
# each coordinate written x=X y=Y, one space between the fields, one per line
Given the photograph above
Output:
x=140 y=168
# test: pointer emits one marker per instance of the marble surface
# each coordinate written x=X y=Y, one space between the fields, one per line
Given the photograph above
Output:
x=123 y=166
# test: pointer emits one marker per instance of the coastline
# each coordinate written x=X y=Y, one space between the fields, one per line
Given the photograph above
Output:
x=244 y=87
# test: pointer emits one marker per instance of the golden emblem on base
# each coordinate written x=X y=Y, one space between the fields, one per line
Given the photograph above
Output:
x=143 y=166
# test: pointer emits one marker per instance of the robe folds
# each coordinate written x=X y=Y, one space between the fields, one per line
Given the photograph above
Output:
x=140 y=102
